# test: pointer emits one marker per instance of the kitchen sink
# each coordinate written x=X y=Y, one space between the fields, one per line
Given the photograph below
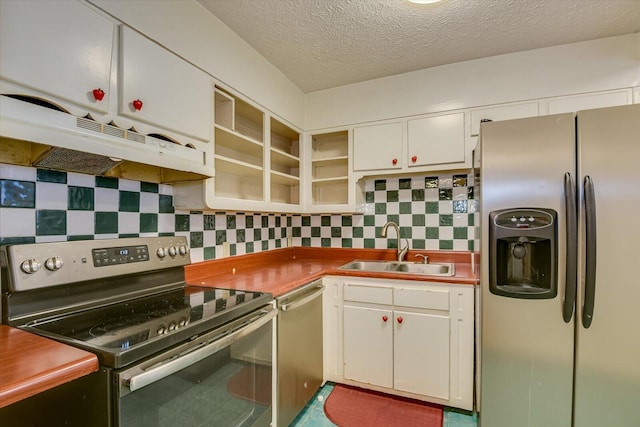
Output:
x=432 y=269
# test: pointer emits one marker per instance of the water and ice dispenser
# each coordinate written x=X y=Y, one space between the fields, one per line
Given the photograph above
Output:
x=523 y=253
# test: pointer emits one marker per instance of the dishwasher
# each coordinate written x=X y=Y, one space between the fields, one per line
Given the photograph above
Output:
x=299 y=342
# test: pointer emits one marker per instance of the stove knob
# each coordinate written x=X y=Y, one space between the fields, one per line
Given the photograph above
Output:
x=30 y=266
x=173 y=251
x=172 y=326
x=160 y=330
x=183 y=250
x=161 y=252
x=54 y=263
x=183 y=322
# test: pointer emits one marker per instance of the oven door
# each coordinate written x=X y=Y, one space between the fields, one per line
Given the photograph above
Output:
x=222 y=378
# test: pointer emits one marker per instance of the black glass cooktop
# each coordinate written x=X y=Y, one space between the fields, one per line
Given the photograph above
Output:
x=128 y=331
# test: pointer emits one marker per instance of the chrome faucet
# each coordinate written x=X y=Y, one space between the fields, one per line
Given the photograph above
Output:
x=402 y=251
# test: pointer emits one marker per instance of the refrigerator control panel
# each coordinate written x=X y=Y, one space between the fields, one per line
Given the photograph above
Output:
x=530 y=218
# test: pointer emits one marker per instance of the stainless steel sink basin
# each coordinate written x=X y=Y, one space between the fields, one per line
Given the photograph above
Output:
x=430 y=269
x=434 y=269
x=370 y=266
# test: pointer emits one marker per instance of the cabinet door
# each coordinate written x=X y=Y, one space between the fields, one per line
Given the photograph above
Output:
x=174 y=94
x=377 y=147
x=368 y=345
x=41 y=49
x=571 y=104
x=502 y=112
x=436 y=140
x=421 y=354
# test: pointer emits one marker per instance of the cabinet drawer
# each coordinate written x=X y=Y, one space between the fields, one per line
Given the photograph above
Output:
x=421 y=298
x=369 y=294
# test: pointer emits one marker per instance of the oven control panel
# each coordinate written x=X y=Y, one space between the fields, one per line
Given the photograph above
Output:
x=41 y=265
x=120 y=255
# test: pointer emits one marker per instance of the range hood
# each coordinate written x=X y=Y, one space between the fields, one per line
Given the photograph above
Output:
x=35 y=134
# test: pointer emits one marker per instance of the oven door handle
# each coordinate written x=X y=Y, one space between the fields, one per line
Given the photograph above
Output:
x=185 y=360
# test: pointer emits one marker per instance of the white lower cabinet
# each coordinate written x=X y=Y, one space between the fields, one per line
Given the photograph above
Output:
x=368 y=345
x=413 y=339
x=421 y=354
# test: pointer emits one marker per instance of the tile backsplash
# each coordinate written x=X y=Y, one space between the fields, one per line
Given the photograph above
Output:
x=37 y=205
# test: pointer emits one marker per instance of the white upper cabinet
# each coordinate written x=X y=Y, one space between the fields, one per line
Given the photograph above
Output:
x=436 y=140
x=570 y=104
x=65 y=55
x=502 y=112
x=160 y=88
x=41 y=53
x=378 y=147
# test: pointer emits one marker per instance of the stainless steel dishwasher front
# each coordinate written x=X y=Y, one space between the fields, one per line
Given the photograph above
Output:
x=299 y=341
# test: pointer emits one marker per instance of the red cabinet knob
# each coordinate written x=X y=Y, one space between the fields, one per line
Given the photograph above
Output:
x=137 y=104
x=394 y=161
x=385 y=318
x=414 y=159
x=98 y=94
x=399 y=319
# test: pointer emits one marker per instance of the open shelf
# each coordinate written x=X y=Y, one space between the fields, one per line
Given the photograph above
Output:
x=236 y=115
x=238 y=180
x=330 y=145
x=330 y=168
x=235 y=167
x=224 y=109
x=230 y=140
x=239 y=148
x=284 y=179
x=285 y=159
x=251 y=165
x=336 y=180
x=330 y=192
x=285 y=163
x=238 y=187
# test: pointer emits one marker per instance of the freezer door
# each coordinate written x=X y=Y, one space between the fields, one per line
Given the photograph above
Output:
x=526 y=347
x=607 y=384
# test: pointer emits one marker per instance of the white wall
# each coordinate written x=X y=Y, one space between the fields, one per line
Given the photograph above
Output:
x=188 y=29
x=602 y=64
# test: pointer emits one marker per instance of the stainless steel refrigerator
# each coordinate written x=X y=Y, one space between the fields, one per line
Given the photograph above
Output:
x=560 y=270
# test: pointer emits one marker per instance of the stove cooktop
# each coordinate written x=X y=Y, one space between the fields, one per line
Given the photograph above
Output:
x=132 y=330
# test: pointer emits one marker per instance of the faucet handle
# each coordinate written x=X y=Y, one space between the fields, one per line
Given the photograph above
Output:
x=425 y=258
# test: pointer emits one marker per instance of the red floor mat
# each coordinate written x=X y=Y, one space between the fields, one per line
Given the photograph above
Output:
x=354 y=407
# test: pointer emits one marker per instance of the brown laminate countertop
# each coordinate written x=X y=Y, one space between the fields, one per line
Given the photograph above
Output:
x=282 y=270
x=31 y=364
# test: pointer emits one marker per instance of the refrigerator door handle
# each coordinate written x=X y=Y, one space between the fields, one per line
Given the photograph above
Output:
x=590 y=252
x=571 y=279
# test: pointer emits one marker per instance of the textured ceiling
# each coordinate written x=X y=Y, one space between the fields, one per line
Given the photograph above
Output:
x=320 y=44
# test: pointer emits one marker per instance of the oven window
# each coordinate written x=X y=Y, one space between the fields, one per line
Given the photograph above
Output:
x=232 y=387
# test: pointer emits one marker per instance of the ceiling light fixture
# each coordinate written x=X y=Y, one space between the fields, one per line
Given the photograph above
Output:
x=424 y=1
